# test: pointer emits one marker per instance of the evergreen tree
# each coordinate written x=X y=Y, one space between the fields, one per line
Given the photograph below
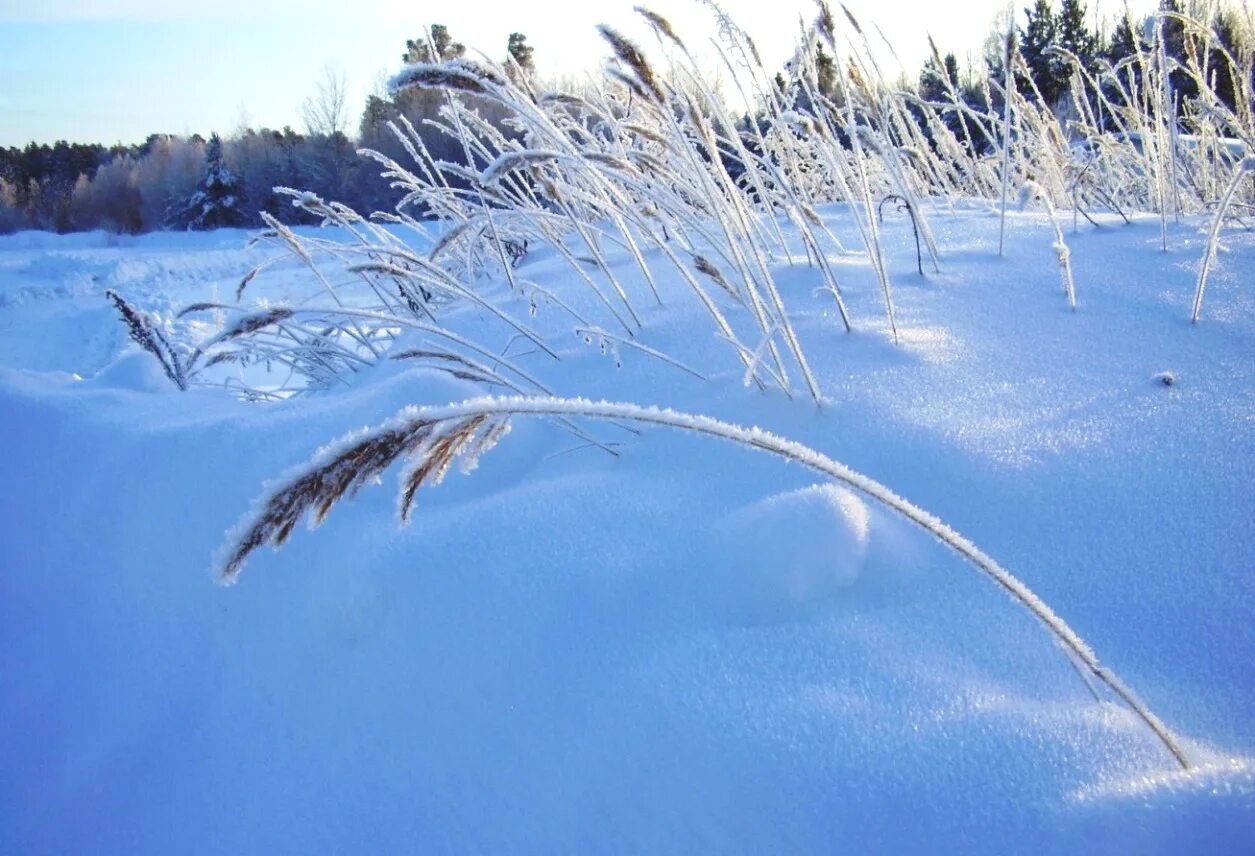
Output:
x=932 y=87
x=1074 y=36
x=376 y=113
x=214 y=204
x=1228 y=28
x=824 y=81
x=1178 y=45
x=1123 y=42
x=438 y=48
x=1038 y=34
x=521 y=52
x=952 y=69
x=373 y=192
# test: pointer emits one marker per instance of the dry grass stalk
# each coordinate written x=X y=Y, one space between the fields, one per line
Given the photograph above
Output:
x=1245 y=168
x=445 y=76
x=662 y=25
x=630 y=55
x=148 y=336
x=435 y=436
x=435 y=462
x=253 y=322
x=344 y=473
x=716 y=276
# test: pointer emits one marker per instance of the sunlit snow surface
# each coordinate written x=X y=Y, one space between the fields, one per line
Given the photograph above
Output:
x=689 y=648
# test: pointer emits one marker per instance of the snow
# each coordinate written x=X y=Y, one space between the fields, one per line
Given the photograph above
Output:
x=687 y=647
x=772 y=574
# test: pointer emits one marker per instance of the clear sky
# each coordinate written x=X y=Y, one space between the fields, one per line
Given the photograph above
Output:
x=117 y=70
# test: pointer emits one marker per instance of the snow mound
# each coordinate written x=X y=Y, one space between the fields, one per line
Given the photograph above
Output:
x=135 y=370
x=788 y=553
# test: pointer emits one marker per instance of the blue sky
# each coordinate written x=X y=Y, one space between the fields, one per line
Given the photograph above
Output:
x=117 y=80
x=117 y=70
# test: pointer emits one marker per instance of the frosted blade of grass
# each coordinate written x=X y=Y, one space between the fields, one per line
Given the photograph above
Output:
x=1007 y=96
x=434 y=435
x=1030 y=191
x=1245 y=168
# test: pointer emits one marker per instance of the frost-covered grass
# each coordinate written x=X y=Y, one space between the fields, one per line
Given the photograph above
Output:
x=433 y=439
x=646 y=173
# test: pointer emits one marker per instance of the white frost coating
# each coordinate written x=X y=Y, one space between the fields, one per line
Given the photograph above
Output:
x=1008 y=89
x=1031 y=191
x=767 y=442
x=1213 y=238
x=510 y=159
x=453 y=72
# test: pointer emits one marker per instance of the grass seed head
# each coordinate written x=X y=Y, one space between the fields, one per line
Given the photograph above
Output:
x=630 y=55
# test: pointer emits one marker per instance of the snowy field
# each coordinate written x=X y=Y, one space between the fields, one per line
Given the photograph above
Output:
x=690 y=647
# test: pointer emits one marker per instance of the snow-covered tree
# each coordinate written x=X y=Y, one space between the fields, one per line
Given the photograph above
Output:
x=167 y=176
x=215 y=202
x=110 y=200
x=11 y=218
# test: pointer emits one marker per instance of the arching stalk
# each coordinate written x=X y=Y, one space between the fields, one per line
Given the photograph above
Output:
x=433 y=437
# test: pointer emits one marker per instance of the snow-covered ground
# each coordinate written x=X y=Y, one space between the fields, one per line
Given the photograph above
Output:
x=687 y=648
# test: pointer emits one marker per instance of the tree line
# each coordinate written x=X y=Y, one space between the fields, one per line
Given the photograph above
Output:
x=173 y=182
x=193 y=183
x=1047 y=33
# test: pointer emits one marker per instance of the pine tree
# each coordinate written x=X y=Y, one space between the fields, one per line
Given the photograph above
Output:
x=214 y=204
x=933 y=87
x=1036 y=37
x=1123 y=42
x=824 y=82
x=952 y=69
x=1178 y=44
x=376 y=112
x=521 y=52
x=825 y=72
x=1074 y=36
x=438 y=48
x=1228 y=29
